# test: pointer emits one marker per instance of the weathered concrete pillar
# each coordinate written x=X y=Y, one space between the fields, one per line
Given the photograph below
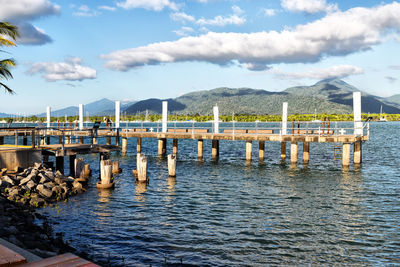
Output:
x=1 y=140
x=139 y=145
x=108 y=140
x=283 y=150
x=80 y=139
x=171 y=165
x=346 y=155
x=72 y=165
x=33 y=139
x=60 y=164
x=249 y=149
x=357 y=152
x=25 y=140
x=215 y=149
x=293 y=152
x=94 y=140
x=67 y=139
x=306 y=152
x=261 y=150
x=124 y=145
x=60 y=138
x=200 y=149
x=162 y=146
x=175 y=146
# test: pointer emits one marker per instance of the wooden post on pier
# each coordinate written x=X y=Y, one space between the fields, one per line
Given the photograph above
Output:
x=25 y=140
x=1 y=140
x=172 y=165
x=139 y=145
x=67 y=139
x=293 y=152
x=346 y=155
x=306 y=152
x=94 y=140
x=142 y=168
x=33 y=139
x=47 y=140
x=72 y=165
x=162 y=146
x=283 y=150
x=115 y=167
x=200 y=149
x=357 y=152
x=42 y=142
x=105 y=172
x=249 y=149
x=108 y=140
x=124 y=145
x=79 y=168
x=80 y=139
x=261 y=150
x=175 y=146
x=215 y=149
x=60 y=164
x=60 y=139
x=86 y=171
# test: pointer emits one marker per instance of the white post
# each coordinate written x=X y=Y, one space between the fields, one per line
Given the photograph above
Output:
x=357 y=113
x=117 y=113
x=164 y=116
x=284 y=117
x=80 y=116
x=48 y=116
x=216 y=119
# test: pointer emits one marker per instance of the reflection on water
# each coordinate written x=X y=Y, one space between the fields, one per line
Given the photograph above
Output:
x=237 y=213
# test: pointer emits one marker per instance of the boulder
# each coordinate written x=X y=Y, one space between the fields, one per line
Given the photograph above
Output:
x=50 y=185
x=49 y=174
x=59 y=174
x=44 y=191
x=43 y=178
x=31 y=185
x=25 y=180
x=57 y=190
x=77 y=185
x=37 y=165
x=13 y=192
x=8 y=180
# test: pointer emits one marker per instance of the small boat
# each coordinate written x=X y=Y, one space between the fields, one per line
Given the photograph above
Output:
x=381 y=117
x=315 y=116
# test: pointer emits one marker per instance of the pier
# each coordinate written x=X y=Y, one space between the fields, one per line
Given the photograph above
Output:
x=80 y=140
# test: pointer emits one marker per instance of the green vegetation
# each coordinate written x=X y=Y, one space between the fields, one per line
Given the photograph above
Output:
x=224 y=118
x=7 y=32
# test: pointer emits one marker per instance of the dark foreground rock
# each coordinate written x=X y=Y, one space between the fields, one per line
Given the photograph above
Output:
x=37 y=186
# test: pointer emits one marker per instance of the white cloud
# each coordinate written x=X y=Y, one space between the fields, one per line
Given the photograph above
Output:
x=70 y=70
x=338 y=71
x=12 y=10
x=337 y=34
x=269 y=12
x=184 y=31
x=237 y=10
x=234 y=19
x=108 y=8
x=85 y=11
x=31 y=35
x=182 y=17
x=308 y=6
x=156 y=5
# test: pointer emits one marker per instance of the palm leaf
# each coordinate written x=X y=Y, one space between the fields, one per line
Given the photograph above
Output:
x=6 y=42
x=9 y=30
x=7 y=62
x=8 y=89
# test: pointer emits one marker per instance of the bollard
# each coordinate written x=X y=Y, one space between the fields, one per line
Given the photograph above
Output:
x=171 y=165
x=142 y=168
x=105 y=175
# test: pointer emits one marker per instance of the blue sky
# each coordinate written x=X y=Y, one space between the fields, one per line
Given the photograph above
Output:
x=73 y=52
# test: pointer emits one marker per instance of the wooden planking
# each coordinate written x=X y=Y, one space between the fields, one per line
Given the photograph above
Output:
x=63 y=260
x=9 y=257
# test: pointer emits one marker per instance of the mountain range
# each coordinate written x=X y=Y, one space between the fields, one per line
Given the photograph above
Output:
x=326 y=96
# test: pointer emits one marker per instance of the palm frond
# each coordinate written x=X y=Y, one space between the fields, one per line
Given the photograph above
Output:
x=6 y=42
x=9 y=30
x=9 y=62
x=8 y=89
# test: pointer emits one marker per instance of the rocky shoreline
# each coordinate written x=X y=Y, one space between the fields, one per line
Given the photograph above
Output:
x=21 y=194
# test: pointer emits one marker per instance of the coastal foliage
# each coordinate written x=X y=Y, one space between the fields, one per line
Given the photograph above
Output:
x=8 y=34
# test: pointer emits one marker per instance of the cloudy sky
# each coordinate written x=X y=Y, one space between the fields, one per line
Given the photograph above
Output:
x=73 y=52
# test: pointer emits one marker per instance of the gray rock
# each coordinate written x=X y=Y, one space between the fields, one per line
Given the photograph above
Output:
x=43 y=178
x=50 y=174
x=8 y=180
x=25 y=180
x=59 y=174
x=44 y=191
x=31 y=185
x=57 y=190
x=50 y=185
x=77 y=185
x=38 y=165
x=13 y=192
x=37 y=201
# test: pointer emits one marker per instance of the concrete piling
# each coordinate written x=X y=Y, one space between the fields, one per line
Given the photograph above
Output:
x=306 y=152
x=357 y=152
x=200 y=149
x=139 y=145
x=283 y=150
x=60 y=164
x=249 y=149
x=175 y=146
x=172 y=165
x=162 y=146
x=108 y=140
x=142 y=168
x=346 y=155
x=215 y=149
x=115 y=167
x=79 y=168
x=293 y=152
x=124 y=145
x=261 y=150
